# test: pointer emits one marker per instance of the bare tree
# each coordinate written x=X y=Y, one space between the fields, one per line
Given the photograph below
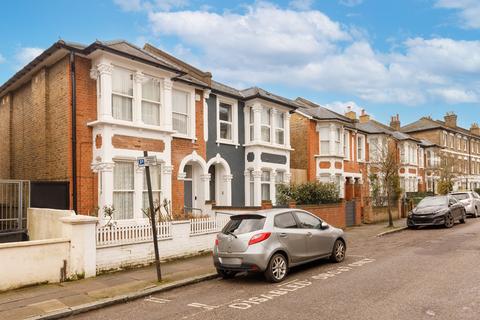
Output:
x=447 y=174
x=385 y=167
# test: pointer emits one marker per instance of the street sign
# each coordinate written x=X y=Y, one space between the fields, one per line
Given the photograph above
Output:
x=147 y=161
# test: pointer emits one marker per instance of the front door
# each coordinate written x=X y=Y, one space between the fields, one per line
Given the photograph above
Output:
x=188 y=189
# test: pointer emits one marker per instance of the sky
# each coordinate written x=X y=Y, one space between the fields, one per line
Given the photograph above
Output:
x=412 y=57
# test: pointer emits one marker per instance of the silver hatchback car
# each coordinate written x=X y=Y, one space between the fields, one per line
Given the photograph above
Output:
x=271 y=241
x=470 y=200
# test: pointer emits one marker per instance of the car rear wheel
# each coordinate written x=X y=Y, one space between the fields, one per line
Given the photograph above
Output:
x=449 y=220
x=338 y=251
x=475 y=213
x=277 y=268
x=464 y=216
x=226 y=274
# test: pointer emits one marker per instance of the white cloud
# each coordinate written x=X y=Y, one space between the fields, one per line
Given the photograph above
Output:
x=469 y=11
x=342 y=107
x=139 y=5
x=267 y=44
x=2 y=59
x=301 y=4
x=350 y=3
x=26 y=54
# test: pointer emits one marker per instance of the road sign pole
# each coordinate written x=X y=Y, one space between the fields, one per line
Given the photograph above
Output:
x=154 y=223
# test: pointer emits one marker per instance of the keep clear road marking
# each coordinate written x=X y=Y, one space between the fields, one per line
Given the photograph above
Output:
x=157 y=300
x=282 y=289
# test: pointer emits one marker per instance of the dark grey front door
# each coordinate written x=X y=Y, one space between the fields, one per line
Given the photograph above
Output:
x=350 y=213
x=188 y=195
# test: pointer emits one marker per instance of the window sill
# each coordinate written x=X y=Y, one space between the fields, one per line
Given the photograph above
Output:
x=129 y=124
x=268 y=145
x=329 y=156
x=229 y=142
x=182 y=136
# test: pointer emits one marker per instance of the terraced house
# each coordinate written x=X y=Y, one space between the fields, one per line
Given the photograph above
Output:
x=78 y=116
x=329 y=147
x=462 y=146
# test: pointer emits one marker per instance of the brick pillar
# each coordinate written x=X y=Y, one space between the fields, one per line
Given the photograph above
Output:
x=357 y=190
x=266 y=204
x=292 y=204
x=349 y=190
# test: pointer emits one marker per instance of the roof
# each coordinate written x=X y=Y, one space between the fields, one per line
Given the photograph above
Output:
x=256 y=92
x=427 y=144
x=223 y=88
x=375 y=127
x=426 y=123
x=119 y=47
x=318 y=112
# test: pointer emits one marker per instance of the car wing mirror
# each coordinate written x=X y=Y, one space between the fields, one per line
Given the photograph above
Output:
x=324 y=225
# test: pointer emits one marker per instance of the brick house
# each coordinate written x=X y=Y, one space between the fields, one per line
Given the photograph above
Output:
x=411 y=152
x=329 y=147
x=455 y=142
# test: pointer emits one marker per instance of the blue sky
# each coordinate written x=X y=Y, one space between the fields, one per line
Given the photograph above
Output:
x=413 y=57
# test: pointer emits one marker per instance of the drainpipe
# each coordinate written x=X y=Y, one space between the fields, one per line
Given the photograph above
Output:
x=74 y=130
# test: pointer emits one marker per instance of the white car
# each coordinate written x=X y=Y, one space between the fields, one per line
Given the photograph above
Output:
x=470 y=200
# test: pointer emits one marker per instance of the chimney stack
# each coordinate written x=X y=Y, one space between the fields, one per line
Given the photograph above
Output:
x=451 y=119
x=350 y=113
x=395 y=122
x=475 y=129
x=364 y=117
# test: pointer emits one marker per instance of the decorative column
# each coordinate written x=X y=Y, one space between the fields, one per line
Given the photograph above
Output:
x=206 y=95
x=137 y=94
x=287 y=129
x=246 y=175
x=104 y=73
x=257 y=121
x=273 y=189
x=166 y=118
x=167 y=183
x=257 y=190
x=138 y=177
x=205 y=178
x=228 y=189
x=273 y=112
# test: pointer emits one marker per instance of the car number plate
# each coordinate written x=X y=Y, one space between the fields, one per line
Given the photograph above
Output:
x=231 y=261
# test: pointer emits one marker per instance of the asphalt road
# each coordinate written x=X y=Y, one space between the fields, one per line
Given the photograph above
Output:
x=415 y=274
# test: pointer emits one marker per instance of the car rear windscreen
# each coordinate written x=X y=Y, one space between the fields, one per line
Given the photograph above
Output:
x=461 y=196
x=244 y=224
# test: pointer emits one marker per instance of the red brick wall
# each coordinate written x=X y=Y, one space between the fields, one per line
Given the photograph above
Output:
x=87 y=189
x=5 y=108
x=135 y=143
x=333 y=214
x=183 y=147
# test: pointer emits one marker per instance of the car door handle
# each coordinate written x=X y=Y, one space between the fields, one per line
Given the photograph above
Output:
x=309 y=234
x=283 y=235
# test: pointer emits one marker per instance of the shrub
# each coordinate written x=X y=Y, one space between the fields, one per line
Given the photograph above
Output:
x=445 y=187
x=477 y=190
x=308 y=193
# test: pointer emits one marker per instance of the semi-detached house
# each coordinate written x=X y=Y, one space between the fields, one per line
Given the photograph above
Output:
x=81 y=115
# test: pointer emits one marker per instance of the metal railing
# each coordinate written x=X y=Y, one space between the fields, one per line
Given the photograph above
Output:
x=14 y=202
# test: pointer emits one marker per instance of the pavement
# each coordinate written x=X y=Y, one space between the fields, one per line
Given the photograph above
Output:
x=54 y=301
x=430 y=273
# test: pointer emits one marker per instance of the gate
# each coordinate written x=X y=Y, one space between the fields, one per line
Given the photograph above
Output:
x=350 y=208
x=14 y=201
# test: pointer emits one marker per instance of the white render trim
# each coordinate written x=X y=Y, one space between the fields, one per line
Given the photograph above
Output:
x=206 y=95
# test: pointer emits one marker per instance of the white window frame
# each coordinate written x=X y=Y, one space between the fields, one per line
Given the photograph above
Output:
x=190 y=112
x=154 y=191
x=132 y=191
x=233 y=124
x=159 y=103
x=346 y=145
x=266 y=182
x=280 y=114
x=322 y=138
x=269 y=126
x=361 y=156
x=132 y=97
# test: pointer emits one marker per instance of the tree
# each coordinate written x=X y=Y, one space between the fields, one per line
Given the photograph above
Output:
x=446 y=172
x=385 y=168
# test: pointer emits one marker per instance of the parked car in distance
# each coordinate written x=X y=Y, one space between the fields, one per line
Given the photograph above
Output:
x=272 y=241
x=470 y=200
x=438 y=210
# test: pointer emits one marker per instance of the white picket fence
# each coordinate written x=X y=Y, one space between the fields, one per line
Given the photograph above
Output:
x=131 y=233
x=208 y=225
x=134 y=232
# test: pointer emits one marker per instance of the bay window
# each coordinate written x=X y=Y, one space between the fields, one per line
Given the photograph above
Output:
x=338 y=142
x=122 y=94
x=279 y=178
x=123 y=189
x=151 y=101
x=266 y=124
x=252 y=188
x=251 y=125
x=156 y=180
x=225 y=116
x=346 y=145
x=279 y=127
x=180 y=111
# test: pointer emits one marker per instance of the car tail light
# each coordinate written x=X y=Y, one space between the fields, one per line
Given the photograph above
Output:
x=216 y=242
x=259 y=238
